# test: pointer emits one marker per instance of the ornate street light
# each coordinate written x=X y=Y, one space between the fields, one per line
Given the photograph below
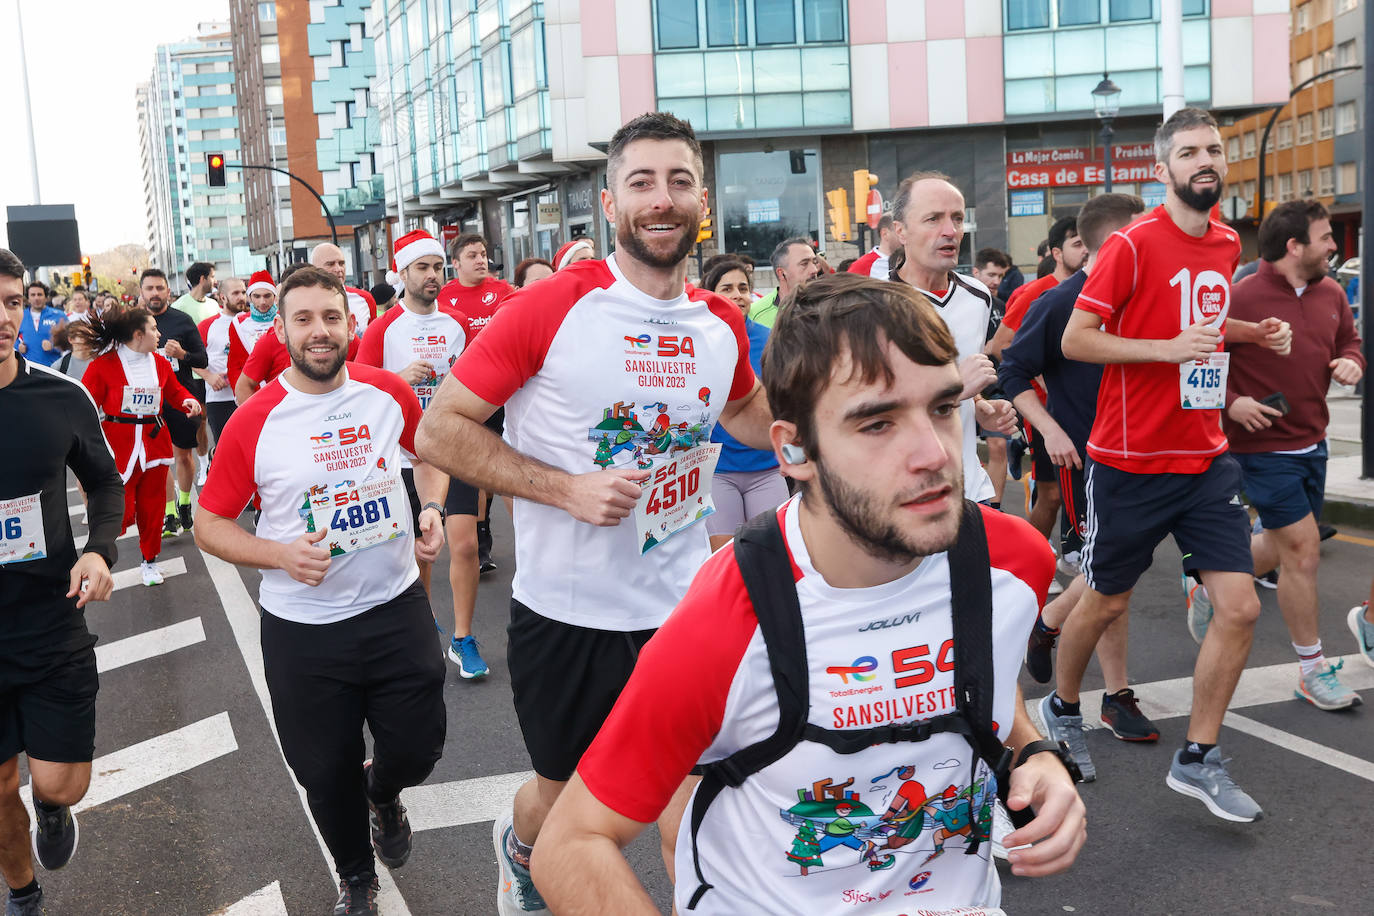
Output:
x=1106 y=104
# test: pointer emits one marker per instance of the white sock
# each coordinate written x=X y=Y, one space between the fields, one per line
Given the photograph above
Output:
x=1310 y=657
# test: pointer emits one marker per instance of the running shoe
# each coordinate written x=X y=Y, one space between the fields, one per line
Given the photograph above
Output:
x=55 y=835
x=1324 y=690
x=1269 y=580
x=515 y=892
x=1068 y=729
x=202 y=470
x=1040 y=652
x=1210 y=784
x=1056 y=587
x=152 y=575
x=1070 y=564
x=1363 y=631
x=357 y=896
x=1121 y=713
x=170 y=527
x=485 y=563
x=391 y=834
x=185 y=517
x=1327 y=532
x=29 y=905
x=464 y=653
x=1199 y=608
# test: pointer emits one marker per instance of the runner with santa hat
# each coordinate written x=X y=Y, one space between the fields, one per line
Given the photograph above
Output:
x=577 y=250
x=250 y=326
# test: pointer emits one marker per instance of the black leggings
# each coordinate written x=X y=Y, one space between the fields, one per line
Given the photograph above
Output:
x=218 y=413
x=382 y=667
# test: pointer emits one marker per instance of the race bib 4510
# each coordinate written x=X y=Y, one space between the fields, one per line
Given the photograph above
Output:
x=677 y=496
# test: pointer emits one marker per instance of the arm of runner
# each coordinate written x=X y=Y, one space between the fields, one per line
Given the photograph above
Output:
x=197 y=357
x=977 y=373
x=176 y=393
x=999 y=341
x=1085 y=341
x=302 y=559
x=1271 y=332
x=91 y=461
x=748 y=418
x=1060 y=825
x=995 y=415
x=244 y=387
x=431 y=485
x=577 y=864
x=1057 y=442
x=1251 y=414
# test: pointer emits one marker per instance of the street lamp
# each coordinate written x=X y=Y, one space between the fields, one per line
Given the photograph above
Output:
x=1106 y=103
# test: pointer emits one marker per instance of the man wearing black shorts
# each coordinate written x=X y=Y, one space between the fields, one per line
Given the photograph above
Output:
x=48 y=676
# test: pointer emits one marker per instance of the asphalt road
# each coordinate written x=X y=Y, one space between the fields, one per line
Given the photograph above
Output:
x=193 y=810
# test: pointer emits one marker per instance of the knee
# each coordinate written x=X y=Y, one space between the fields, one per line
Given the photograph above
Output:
x=1241 y=610
x=464 y=546
x=1304 y=560
x=66 y=788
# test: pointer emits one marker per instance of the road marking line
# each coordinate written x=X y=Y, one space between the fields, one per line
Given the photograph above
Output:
x=264 y=902
x=1351 y=539
x=148 y=645
x=175 y=566
x=1289 y=741
x=76 y=510
x=141 y=765
x=244 y=620
x=464 y=801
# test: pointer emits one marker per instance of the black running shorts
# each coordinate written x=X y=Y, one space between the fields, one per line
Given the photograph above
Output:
x=47 y=698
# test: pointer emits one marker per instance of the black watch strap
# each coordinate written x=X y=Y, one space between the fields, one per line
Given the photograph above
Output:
x=436 y=507
x=1059 y=748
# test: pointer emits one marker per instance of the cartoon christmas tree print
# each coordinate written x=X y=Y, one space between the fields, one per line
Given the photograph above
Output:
x=603 y=457
x=806 y=849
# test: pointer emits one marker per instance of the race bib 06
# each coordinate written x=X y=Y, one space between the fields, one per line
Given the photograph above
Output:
x=359 y=515
x=21 y=530
x=677 y=496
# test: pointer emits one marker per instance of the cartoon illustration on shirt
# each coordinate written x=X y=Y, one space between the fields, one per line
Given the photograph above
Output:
x=653 y=432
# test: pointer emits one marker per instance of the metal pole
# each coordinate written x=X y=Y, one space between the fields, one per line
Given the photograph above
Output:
x=1171 y=55
x=333 y=230
x=1367 y=409
x=1274 y=116
x=1107 y=154
x=28 y=105
x=276 y=196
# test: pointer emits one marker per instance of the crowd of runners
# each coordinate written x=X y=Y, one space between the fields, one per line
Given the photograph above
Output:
x=827 y=435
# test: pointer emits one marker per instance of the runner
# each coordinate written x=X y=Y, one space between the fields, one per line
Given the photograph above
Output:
x=219 y=398
x=254 y=324
x=270 y=358
x=361 y=305
x=419 y=341
x=347 y=634
x=136 y=389
x=1362 y=626
x=197 y=301
x=35 y=331
x=48 y=677
x=929 y=214
x=597 y=347
x=529 y=270
x=863 y=376
x=1276 y=419
x=877 y=262
x=794 y=264
x=571 y=252
x=1158 y=457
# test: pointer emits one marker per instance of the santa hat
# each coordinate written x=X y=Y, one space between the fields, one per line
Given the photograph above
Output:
x=566 y=253
x=412 y=246
x=261 y=280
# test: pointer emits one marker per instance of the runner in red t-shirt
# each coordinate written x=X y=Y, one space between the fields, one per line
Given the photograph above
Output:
x=1154 y=311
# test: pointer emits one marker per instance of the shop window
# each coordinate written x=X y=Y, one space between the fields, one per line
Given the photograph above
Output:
x=677 y=24
x=1128 y=10
x=1028 y=14
x=1079 y=12
x=725 y=23
x=824 y=20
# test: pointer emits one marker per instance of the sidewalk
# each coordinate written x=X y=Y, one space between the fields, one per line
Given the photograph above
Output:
x=1349 y=498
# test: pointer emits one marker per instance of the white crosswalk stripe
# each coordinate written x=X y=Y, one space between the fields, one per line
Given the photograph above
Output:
x=265 y=902
x=151 y=644
x=175 y=566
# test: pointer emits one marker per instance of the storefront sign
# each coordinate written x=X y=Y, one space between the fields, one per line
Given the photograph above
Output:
x=765 y=211
x=1076 y=166
x=1153 y=194
x=582 y=200
x=550 y=216
x=1027 y=203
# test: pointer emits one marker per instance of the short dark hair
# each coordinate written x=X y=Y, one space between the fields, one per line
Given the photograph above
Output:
x=10 y=265
x=198 y=271
x=845 y=312
x=524 y=266
x=1104 y=214
x=456 y=246
x=383 y=292
x=1042 y=249
x=992 y=256
x=903 y=198
x=779 y=254
x=885 y=222
x=300 y=276
x=1183 y=119
x=1292 y=220
x=1062 y=230
x=151 y=272
x=719 y=268
x=40 y=284
x=652 y=125
x=844 y=265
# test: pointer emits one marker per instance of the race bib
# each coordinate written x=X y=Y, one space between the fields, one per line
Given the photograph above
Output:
x=425 y=393
x=359 y=515
x=140 y=401
x=677 y=496
x=21 y=530
x=176 y=364
x=1202 y=383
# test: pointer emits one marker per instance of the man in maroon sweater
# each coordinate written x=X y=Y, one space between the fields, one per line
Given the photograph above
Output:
x=1283 y=455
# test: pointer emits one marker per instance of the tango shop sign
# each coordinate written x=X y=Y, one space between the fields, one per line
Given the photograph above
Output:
x=1075 y=166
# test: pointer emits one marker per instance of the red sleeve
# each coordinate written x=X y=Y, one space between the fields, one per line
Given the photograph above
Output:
x=238 y=355
x=258 y=364
x=404 y=395
x=1112 y=279
x=1348 y=343
x=173 y=392
x=864 y=265
x=204 y=327
x=1017 y=548
x=657 y=731
x=355 y=343
x=512 y=346
x=1016 y=309
x=231 y=483
x=96 y=380
x=372 y=349
x=727 y=311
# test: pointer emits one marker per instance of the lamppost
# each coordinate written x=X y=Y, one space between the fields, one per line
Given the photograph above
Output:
x=1106 y=103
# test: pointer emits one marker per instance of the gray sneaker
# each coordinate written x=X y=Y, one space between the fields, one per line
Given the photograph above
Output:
x=1068 y=729
x=1363 y=631
x=1210 y=784
x=1199 y=609
x=32 y=905
x=1324 y=690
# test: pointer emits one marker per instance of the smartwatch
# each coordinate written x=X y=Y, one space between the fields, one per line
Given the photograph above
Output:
x=436 y=507
x=1059 y=749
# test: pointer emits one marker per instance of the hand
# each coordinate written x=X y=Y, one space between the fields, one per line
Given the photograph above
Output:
x=90 y=579
x=1060 y=448
x=1346 y=371
x=431 y=536
x=191 y=406
x=1197 y=342
x=47 y=346
x=416 y=372
x=1251 y=414
x=304 y=559
x=1059 y=828
x=1277 y=335
x=216 y=381
x=23 y=348
x=604 y=497
x=977 y=373
x=995 y=416
x=174 y=350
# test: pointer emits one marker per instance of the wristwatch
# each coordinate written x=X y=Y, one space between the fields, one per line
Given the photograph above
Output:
x=1059 y=749
x=436 y=507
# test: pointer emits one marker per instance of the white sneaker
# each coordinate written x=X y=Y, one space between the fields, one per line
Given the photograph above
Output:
x=1070 y=564
x=203 y=472
x=151 y=574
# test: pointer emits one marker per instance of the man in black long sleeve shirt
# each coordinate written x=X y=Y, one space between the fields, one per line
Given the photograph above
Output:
x=182 y=344
x=48 y=676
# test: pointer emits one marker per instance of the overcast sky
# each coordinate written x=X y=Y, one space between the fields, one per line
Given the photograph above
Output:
x=86 y=57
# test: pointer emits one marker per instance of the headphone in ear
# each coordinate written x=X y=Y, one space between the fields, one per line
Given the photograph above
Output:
x=793 y=454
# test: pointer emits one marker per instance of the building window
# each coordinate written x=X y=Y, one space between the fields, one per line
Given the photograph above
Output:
x=1347 y=119
x=267 y=12
x=1302 y=71
x=1285 y=188
x=1247 y=190
x=1325 y=123
x=1232 y=149
x=1249 y=144
x=1195 y=7
x=1345 y=53
x=677 y=24
x=1305 y=128
x=1126 y=10
x=1269 y=188
x=271 y=53
x=1323 y=11
x=1326 y=181
x=1305 y=183
x=1350 y=179
x=725 y=23
x=1285 y=139
x=1326 y=60
x=824 y=20
x=1301 y=19
x=775 y=22
x=1079 y=12
x=1028 y=14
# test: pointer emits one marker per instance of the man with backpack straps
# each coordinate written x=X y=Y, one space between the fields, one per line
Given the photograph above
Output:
x=859 y=644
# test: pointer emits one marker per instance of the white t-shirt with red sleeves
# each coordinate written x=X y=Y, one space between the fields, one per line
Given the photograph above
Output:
x=817 y=830
x=361 y=306
x=1152 y=280
x=244 y=333
x=875 y=264
x=401 y=337
x=215 y=332
x=595 y=373
x=285 y=445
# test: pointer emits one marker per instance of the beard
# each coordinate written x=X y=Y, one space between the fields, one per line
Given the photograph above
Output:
x=1315 y=270
x=859 y=515
x=637 y=248
x=300 y=359
x=1201 y=201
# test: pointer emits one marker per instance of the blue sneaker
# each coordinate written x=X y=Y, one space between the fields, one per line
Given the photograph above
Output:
x=463 y=652
x=515 y=892
x=1363 y=631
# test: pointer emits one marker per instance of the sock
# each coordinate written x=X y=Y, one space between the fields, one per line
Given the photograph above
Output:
x=1193 y=752
x=171 y=507
x=518 y=851
x=183 y=497
x=1053 y=631
x=1061 y=708
x=1309 y=657
x=25 y=891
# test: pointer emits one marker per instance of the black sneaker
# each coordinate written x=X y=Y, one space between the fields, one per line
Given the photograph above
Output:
x=185 y=516
x=1269 y=579
x=1327 y=532
x=357 y=896
x=1040 y=653
x=171 y=527
x=28 y=905
x=55 y=836
x=390 y=828
x=485 y=563
x=1122 y=715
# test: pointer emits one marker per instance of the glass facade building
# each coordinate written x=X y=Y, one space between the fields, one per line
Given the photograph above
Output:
x=350 y=132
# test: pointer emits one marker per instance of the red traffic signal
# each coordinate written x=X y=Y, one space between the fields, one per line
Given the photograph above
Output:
x=214 y=167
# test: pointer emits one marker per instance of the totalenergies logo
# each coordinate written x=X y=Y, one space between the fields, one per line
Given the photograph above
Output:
x=639 y=343
x=859 y=670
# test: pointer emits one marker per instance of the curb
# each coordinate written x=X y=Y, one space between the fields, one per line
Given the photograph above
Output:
x=1341 y=511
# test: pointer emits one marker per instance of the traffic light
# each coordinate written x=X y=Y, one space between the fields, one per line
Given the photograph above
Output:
x=86 y=268
x=76 y=278
x=839 y=214
x=704 y=230
x=864 y=182
x=214 y=167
